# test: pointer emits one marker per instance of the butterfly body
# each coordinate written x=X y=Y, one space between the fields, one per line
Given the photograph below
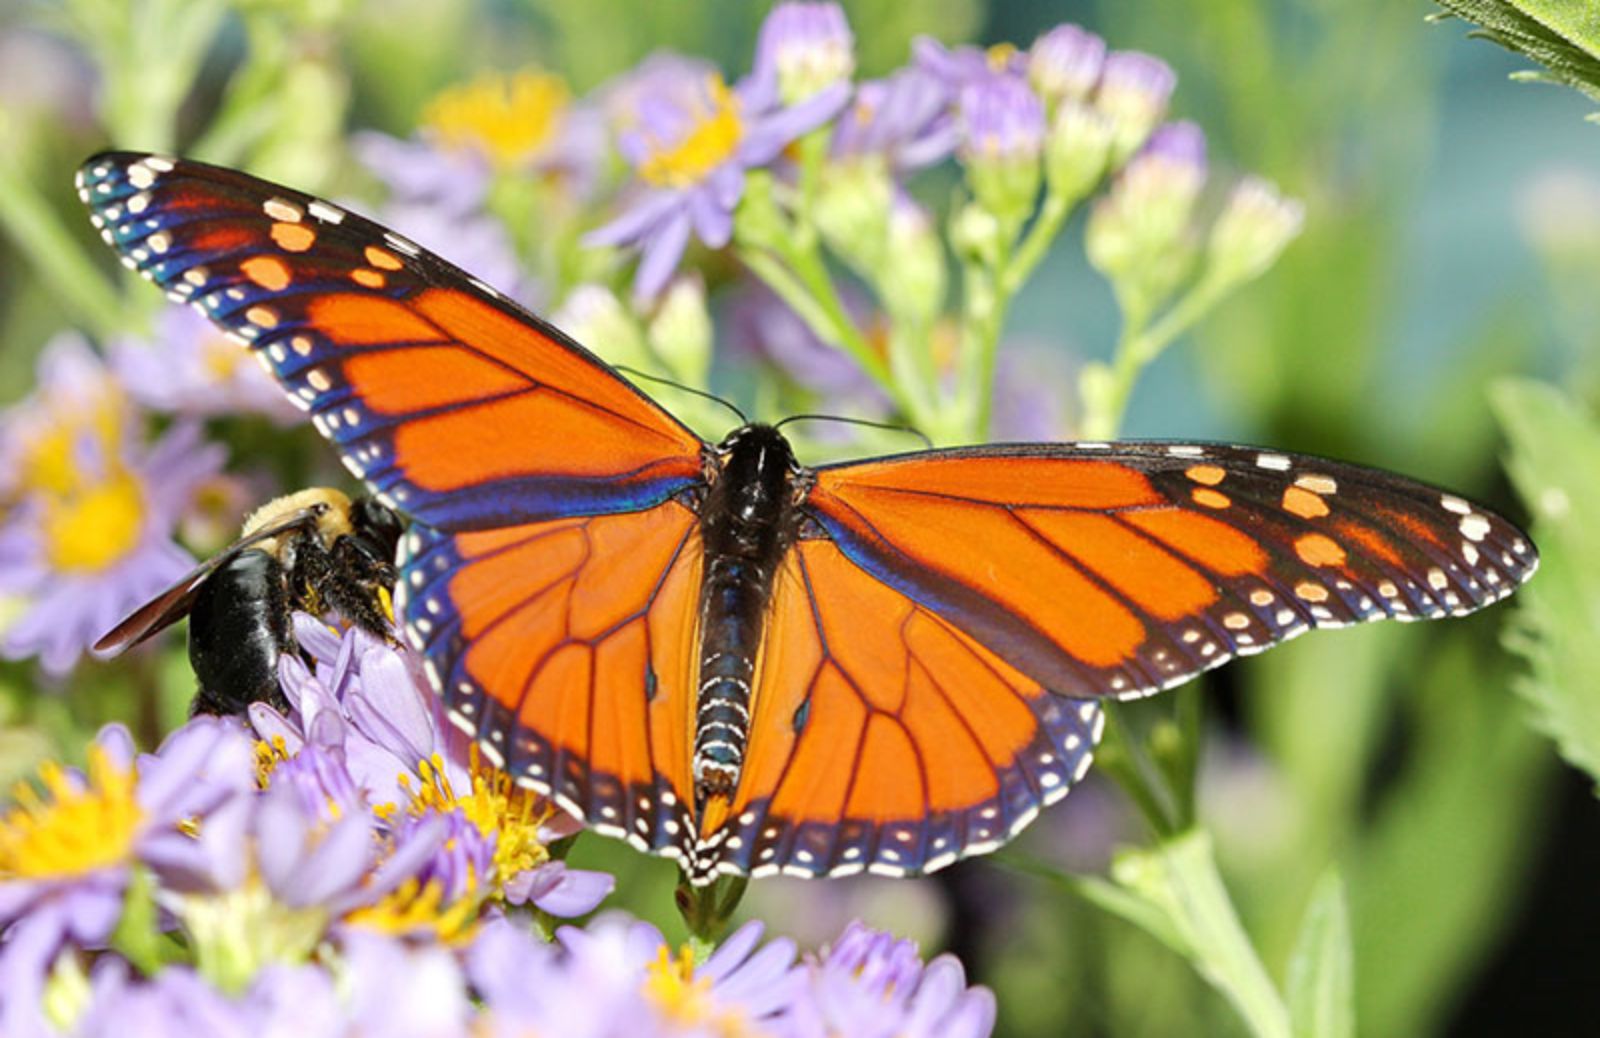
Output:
x=747 y=521
x=734 y=661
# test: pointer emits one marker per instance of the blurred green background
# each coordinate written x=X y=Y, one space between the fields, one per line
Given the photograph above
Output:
x=1452 y=239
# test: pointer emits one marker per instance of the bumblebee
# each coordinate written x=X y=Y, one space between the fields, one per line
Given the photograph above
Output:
x=316 y=551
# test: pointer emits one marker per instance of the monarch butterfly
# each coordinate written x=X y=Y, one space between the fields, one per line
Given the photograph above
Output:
x=728 y=658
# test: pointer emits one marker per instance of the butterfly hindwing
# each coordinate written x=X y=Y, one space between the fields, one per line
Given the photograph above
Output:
x=565 y=648
x=454 y=404
x=886 y=740
x=1126 y=568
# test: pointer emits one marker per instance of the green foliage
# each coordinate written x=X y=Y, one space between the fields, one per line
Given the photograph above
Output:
x=1321 y=972
x=1561 y=35
x=1555 y=452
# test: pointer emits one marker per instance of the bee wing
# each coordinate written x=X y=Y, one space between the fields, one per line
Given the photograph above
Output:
x=174 y=603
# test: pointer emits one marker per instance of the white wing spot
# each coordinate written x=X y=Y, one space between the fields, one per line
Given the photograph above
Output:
x=325 y=212
x=1275 y=462
x=1474 y=527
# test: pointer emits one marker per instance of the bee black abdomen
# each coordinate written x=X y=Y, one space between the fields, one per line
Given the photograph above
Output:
x=238 y=628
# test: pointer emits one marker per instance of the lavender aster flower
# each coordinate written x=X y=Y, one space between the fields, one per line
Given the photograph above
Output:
x=807 y=47
x=765 y=325
x=1065 y=63
x=870 y=985
x=87 y=535
x=691 y=145
x=903 y=120
x=1138 y=233
x=960 y=67
x=188 y=367
x=1002 y=135
x=65 y=855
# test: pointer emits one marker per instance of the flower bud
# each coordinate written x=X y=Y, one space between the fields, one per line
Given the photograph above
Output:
x=595 y=317
x=975 y=234
x=680 y=333
x=1139 y=233
x=1077 y=150
x=1251 y=231
x=808 y=47
x=1064 y=64
x=851 y=209
x=1133 y=94
x=1002 y=135
x=911 y=280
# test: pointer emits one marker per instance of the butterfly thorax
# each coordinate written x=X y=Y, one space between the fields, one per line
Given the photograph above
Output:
x=747 y=521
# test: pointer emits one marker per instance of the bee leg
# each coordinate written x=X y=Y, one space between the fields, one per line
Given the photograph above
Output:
x=350 y=583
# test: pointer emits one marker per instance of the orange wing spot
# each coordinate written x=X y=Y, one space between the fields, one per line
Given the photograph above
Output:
x=819 y=775
x=511 y=647
x=888 y=779
x=1211 y=542
x=1210 y=475
x=1311 y=592
x=224 y=239
x=1318 y=484
x=293 y=237
x=1052 y=482
x=362 y=320
x=626 y=558
x=1211 y=498
x=876 y=670
x=425 y=377
x=482 y=542
x=382 y=259
x=261 y=317
x=1157 y=581
x=1305 y=504
x=1370 y=541
x=368 y=278
x=1316 y=549
x=270 y=272
x=674 y=637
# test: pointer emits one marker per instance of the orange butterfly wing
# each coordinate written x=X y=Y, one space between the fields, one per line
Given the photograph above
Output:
x=883 y=738
x=455 y=405
x=1127 y=568
x=567 y=648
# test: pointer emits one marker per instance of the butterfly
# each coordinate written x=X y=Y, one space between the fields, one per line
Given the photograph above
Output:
x=728 y=658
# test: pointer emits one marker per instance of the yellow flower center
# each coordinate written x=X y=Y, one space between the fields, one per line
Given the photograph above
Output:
x=72 y=829
x=1000 y=55
x=220 y=358
x=710 y=141
x=509 y=117
x=89 y=530
x=686 y=999
x=495 y=805
x=415 y=908
x=50 y=462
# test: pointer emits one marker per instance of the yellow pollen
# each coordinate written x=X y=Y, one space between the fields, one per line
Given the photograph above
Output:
x=671 y=983
x=710 y=142
x=509 y=117
x=74 y=828
x=999 y=56
x=495 y=805
x=416 y=908
x=50 y=461
x=92 y=529
x=220 y=357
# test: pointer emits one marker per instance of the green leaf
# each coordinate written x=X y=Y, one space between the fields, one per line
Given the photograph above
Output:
x=1561 y=35
x=1322 y=969
x=1555 y=454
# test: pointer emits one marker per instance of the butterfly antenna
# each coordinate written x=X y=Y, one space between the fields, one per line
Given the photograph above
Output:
x=869 y=423
x=703 y=394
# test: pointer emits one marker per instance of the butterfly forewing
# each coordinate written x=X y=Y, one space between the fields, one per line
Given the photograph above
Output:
x=454 y=404
x=1124 y=569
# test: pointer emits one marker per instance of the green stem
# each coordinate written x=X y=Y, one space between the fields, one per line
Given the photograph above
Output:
x=1036 y=243
x=55 y=253
x=707 y=910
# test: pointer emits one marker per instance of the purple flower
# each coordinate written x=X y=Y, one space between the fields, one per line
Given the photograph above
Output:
x=1000 y=120
x=417 y=171
x=691 y=143
x=1133 y=93
x=88 y=534
x=401 y=990
x=806 y=48
x=188 y=367
x=905 y=119
x=871 y=985
x=1065 y=63
x=367 y=705
x=1029 y=394
x=65 y=856
x=962 y=66
x=761 y=323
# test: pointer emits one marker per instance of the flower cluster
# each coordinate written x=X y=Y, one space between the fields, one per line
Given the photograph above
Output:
x=353 y=869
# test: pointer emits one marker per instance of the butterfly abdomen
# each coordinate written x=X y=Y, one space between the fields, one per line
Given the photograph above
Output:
x=746 y=524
